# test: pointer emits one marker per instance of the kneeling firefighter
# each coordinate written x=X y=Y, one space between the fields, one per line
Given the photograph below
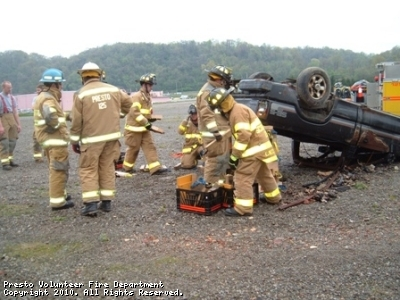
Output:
x=192 y=148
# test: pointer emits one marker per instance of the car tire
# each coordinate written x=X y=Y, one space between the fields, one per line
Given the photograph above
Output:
x=261 y=75
x=313 y=87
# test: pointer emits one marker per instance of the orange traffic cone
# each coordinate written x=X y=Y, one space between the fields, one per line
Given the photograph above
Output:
x=360 y=95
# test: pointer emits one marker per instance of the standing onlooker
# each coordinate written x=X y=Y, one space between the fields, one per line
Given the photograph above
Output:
x=37 y=149
x=252 y=152
x=212 y=126
x=9 y=126
x=52 y=134
x=192 y=147
x=95 y=134
x=137 y=129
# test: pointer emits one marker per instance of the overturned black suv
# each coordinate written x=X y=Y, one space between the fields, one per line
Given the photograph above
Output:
x=305 y=110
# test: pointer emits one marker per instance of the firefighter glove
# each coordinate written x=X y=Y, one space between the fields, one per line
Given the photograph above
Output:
x=217 y=136
x=202 y=153
x=76 y=148
x=233 y=162
x=148 y=126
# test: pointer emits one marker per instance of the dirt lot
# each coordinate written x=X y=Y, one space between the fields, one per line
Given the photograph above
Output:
x=345 y=248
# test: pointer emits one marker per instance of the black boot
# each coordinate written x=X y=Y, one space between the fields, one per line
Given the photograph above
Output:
x=90 y=209
x=231 y=212
x=7 y=168
x=68 y=204
x=105 y=205
x=13 y=164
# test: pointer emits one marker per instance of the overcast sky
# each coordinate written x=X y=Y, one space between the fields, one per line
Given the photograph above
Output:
x=67 y=28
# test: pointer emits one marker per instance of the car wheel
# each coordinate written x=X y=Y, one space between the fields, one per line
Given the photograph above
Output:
x=313 y=87
x=261 y=75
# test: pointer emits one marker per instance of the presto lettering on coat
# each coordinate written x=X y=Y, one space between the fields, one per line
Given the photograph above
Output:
x=100 y=100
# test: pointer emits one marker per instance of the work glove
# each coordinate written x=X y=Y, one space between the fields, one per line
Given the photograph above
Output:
x=233 y=162
x=202 y=152
x=217 y=136
x=76 y=148
x=148 y=126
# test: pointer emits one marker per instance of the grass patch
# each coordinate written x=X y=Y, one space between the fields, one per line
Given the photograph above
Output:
x=165 y=260
x=375 y=205
x=59 y=218
x=120 y=268
x=360 y=186
x=103 y=237
x=41 y=250
x=12 y=210
x=26 y=114
x=161 y=209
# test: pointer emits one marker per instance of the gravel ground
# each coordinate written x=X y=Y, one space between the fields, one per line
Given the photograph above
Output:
x=344 y=248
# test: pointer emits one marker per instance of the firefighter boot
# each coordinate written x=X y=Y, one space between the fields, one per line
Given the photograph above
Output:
x=105 y=205
x=131 y=171
x=232 y=212
x=13 y=164
x=90 y=209
x=68 y=204
x=7 y=167
x=162 y=171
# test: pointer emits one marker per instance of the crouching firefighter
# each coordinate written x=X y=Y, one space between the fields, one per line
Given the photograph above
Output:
x=52 y=134
x=252 y=151
x=192 y=148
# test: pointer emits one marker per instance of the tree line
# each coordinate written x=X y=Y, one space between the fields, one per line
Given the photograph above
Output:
x=181 y=66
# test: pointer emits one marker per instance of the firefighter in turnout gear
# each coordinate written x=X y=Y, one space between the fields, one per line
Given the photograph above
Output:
x=95 y=133
x=192 y=148
x=213 y=126
x=52 y=134
x=137 y=129
x=252 y=151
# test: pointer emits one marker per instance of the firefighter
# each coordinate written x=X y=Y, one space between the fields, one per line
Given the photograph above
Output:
x=252 y=152
x=213 y=126
x=192 y=148
x=52 y=134
x=137 y=129
x=95 y=134
x=10 y=126
x=37 y=149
